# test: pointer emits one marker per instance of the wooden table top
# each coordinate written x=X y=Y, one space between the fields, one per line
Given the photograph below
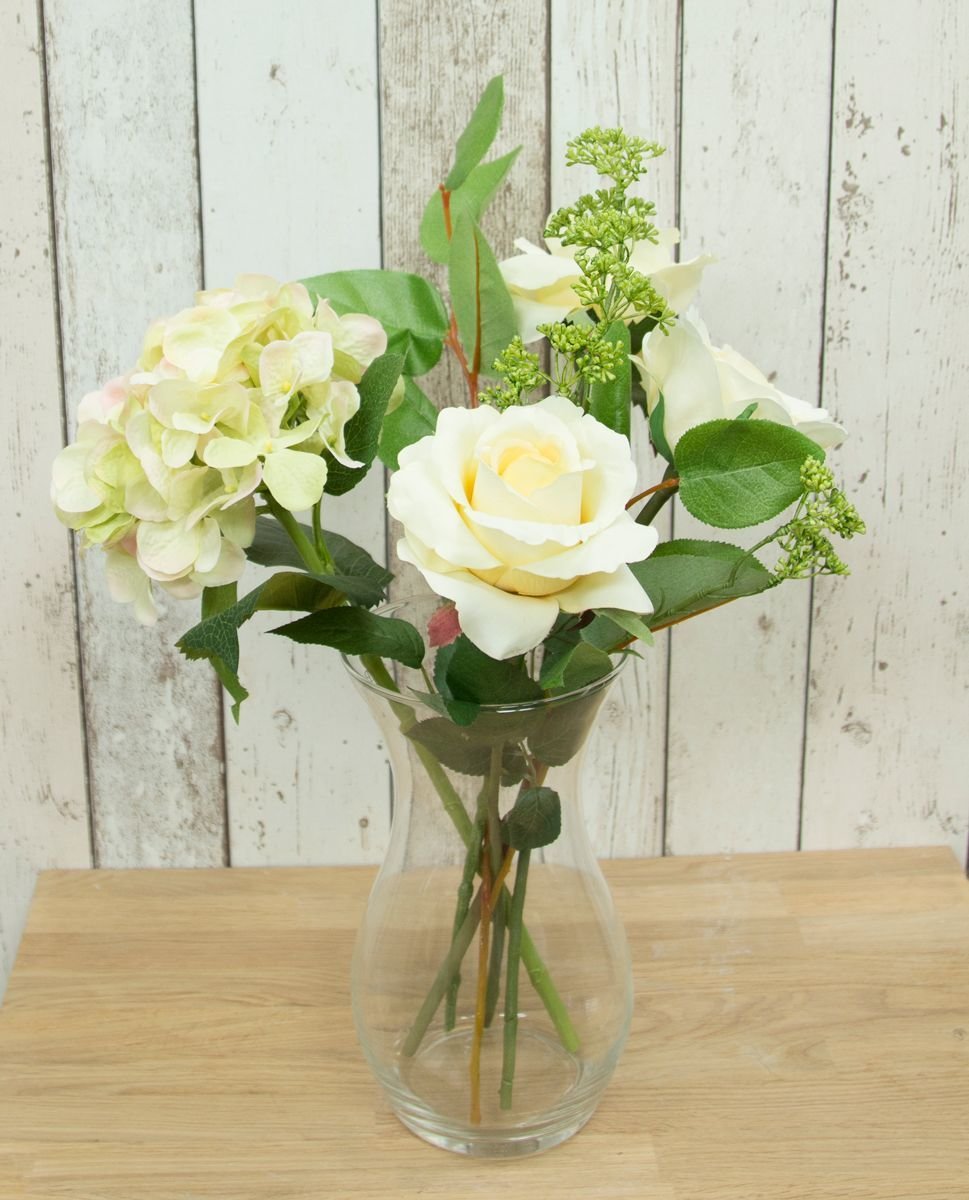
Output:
x=801 y=1032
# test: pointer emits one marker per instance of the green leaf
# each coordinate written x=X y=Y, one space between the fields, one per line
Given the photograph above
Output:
x=657 y=433
x=747 y=413
x=409 y=308
x=565 y=727
x=573 y=666
x=356 y=631
x=479 y=133
x=216 y=637
x=363 y=429
x=482 y=306
x=415 y=417
x=469 y=200
x=610 y=402
x=687 y=576
x=463 y=672
x=629 y=622
x=467 y=751
x=353 y=561
x=218 y=599
x=739 y=473
x=534 y=821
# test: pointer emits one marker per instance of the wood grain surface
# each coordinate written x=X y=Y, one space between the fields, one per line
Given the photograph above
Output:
x=801 y=1032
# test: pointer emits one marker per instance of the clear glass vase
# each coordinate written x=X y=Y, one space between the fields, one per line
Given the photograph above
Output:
x=491 y=981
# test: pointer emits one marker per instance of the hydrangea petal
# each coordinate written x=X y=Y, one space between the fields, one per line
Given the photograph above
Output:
x=294 y=478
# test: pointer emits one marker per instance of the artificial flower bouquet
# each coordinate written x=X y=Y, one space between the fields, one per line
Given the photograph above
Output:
x=519 y=505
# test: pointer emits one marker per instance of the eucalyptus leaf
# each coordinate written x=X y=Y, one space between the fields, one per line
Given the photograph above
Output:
x=409 y=308
x=475 y=142
x=482 y=305
x=469 y=200
x=362 y=432
x=687 y=576
x=415 y=417
x=739 y=473
x=356 y=631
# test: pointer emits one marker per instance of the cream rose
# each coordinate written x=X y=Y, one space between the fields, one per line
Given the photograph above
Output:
x=541 y=283
x=519 y=515
x=702 y=382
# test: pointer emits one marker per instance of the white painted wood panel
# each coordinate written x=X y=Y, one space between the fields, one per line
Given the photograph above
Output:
x=126 y=198
x=889 y=702
x=288 y=128
x=617 y=64
x=753 y=191
x=43 y=802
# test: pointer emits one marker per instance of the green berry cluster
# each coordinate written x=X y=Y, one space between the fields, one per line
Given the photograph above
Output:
x=805 y=541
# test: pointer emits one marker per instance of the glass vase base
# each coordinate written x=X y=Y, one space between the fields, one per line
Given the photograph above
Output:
x=551 y=1101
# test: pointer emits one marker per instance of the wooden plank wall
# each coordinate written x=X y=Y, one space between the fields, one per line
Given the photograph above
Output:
x=818 y=149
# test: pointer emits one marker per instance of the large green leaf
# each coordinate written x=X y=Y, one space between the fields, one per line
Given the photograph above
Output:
x=409 y=308
x=475 y=142
x=610 y=402
x=534 y=821
x=468 y=751
x=687 y=576
x=463 y=672
x=356 y=631
x=482 y=306
x=363 y=429
x=739 y=473
x=415 y=417
x=568 y=666
x=469 y=200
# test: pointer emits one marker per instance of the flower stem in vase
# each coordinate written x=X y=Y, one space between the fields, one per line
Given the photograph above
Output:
x=465 y=890
x=511 y=984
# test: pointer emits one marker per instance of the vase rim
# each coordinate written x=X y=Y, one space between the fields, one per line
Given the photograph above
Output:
x=350 y=663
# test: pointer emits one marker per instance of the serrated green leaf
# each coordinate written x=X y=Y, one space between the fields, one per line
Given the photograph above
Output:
x=364 y=579
x=479 y=133
x=609 y=402
x=534 y=821
x=469 y=200
x=482 y=306
x=739 y=473
x=216 y=637
x=409 y=308
x=581 y=665
x=687 y=576
x=356 y=631
x=415 y=417
x=468 y=751
x=362 y=433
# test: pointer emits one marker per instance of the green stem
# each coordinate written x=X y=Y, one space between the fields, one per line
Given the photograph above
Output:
x=465 y=891
x=655 y=503
x=511 y=984
x=307 y=551
x=318 y=538
x=446 y=971
x=494 y=967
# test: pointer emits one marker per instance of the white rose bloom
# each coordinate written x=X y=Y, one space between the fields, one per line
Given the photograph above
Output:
x=702 y=382
x=519 y=515
x=541 y=283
